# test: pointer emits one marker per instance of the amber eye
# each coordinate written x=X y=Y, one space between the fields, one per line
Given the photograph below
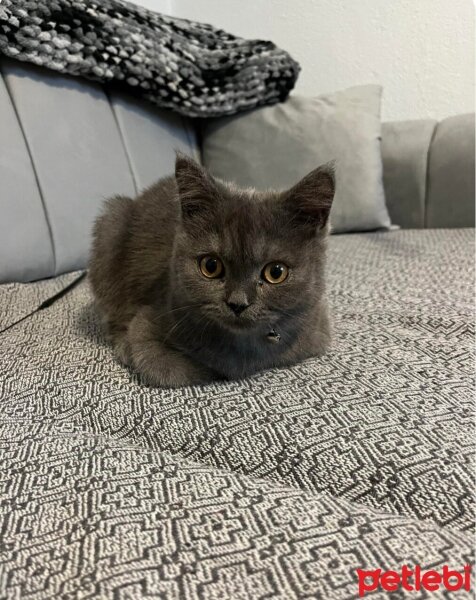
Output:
x=211 y=267
x=275 y=272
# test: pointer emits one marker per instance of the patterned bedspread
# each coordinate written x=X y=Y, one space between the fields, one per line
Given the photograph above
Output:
x=279 y=486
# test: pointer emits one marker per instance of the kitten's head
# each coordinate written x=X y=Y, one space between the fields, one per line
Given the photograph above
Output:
x=247 y=259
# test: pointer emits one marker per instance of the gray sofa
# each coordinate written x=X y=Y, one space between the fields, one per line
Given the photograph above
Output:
x=278 y=486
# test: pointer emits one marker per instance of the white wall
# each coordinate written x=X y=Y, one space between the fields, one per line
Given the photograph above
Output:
x=163 y=6
x=421 y=51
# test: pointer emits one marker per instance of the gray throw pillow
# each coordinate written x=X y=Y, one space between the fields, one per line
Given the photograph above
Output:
x=274 y=147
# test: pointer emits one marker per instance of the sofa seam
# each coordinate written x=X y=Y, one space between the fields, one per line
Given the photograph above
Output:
x=191 y=134
x=427 y=176
x=123 y=140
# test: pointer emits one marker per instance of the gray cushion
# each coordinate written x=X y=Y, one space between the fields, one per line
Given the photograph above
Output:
x=69 y=147
x=276 y=146
x=405 y=148
x=450 y=200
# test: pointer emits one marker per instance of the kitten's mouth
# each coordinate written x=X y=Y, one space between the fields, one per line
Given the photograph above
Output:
x=240 y=323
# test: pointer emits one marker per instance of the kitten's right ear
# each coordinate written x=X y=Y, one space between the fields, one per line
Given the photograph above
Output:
x=310 y=200
x=196 y=187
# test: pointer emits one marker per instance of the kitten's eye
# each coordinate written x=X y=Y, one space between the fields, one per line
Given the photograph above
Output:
x=275 y=272
x=211 y=267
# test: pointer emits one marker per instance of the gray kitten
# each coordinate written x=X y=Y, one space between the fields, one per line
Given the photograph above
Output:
x=199 y=280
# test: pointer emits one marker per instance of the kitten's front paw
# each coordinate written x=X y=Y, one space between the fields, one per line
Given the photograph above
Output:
x=122 y=351
x=158 y=364
x=161 y=367
x=160 y=377
x=168 y=380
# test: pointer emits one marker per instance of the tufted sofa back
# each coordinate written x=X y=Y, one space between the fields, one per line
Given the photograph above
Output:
x=67 y=144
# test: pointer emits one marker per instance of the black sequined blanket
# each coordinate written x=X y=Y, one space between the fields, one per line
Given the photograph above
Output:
x=191 y=68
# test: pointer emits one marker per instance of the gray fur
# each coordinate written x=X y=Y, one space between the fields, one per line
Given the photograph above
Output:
x=173 y=325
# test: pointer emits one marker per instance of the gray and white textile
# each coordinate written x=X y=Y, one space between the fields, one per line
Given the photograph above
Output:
x=279 y=486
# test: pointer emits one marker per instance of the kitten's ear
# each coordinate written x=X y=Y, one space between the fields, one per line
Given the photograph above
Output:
x=196 y=187
x=310 y=200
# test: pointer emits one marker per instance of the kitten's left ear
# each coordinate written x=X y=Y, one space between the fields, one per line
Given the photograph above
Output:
x=311 y=199
x=195 y=185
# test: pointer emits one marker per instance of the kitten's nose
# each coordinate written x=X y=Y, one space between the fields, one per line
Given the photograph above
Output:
x=237 y=301
x=237 y=308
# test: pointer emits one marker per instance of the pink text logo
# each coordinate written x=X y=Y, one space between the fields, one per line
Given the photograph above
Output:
x=413 y=580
